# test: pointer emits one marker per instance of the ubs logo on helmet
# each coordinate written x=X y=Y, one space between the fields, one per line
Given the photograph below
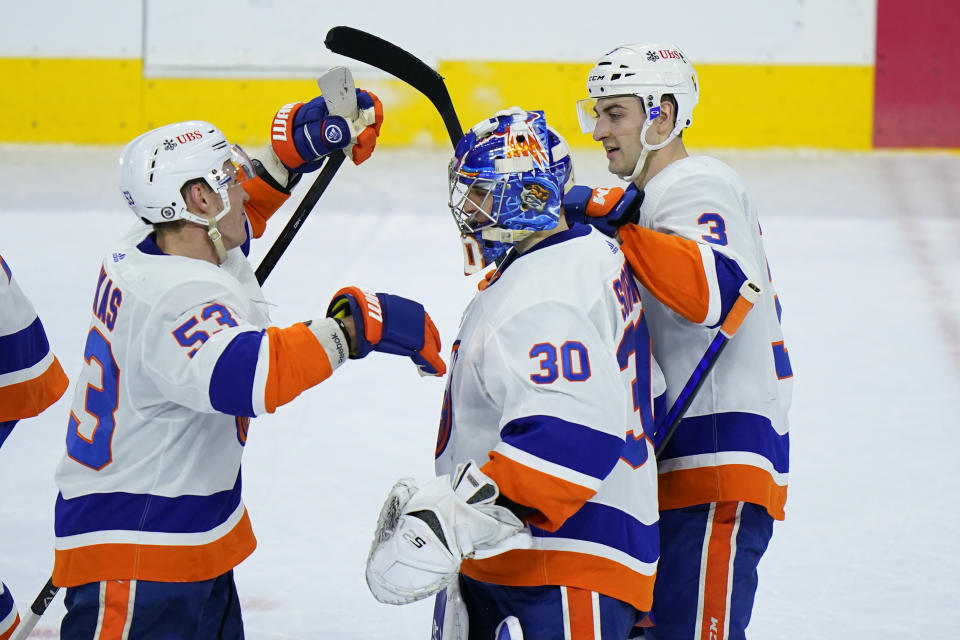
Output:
x=189 y=136
x=665 y=54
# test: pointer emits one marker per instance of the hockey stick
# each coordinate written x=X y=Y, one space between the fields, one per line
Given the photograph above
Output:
x=40 y=604
x=388 y=57
x=749 y=294
x=330 y=167
x=336 y=87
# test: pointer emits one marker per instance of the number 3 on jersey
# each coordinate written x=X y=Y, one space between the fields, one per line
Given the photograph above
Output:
x=90 y=430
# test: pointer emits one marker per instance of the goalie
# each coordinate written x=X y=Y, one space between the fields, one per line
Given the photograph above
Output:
x=543 y=519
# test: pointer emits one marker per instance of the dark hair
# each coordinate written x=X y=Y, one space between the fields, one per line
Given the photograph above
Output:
x=189 y=183
x=168 y=227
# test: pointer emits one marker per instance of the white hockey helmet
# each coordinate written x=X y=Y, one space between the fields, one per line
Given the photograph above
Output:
x=155 y=165
x=648 y=71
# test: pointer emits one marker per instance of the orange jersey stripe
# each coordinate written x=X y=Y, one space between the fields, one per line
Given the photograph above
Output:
x=580 y=610
x=554 y=498
x=6 y=635
x=116 y=601
x=160 y=563
x=669 y=267
x=31 y=397
x=264 y=202
x=297 y=362
x=717 y=570
x=729 y=482
x=533 y=568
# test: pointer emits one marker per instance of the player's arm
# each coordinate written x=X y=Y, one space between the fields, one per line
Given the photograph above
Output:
x=211 y=360
x=31 y=378
x=9 y=617
x=561 y=432
x=303 y=133
x=689 y=262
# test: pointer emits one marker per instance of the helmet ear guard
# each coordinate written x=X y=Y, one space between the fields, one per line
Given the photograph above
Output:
x=507 y=180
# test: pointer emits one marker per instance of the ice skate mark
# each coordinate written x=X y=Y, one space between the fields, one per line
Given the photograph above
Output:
x=909 y=221
x=259 y=604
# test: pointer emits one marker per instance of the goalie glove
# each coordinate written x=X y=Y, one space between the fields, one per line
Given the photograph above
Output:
x=423 y=534
x=607 y=209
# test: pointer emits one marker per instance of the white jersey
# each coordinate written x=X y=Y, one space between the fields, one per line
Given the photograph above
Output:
x=550 y=389
x=178 y=358
x=733 y=443
x=31 y=378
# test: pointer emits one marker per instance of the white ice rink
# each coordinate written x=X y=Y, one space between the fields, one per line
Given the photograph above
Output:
x=865 y=254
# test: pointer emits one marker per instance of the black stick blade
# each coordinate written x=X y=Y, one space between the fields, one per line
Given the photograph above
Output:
x=388 y=57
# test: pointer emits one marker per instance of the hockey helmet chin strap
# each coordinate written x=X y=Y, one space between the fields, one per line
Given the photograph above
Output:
x=506 y=236
x=211 y=223
x=647 y=148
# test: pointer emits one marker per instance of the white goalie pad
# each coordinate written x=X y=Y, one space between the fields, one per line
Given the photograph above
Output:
x=423 y=534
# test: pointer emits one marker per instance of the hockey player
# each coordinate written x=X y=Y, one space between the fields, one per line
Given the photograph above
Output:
x=180 y=355
x=723 y=475
x=31 y=379
x=544 y=513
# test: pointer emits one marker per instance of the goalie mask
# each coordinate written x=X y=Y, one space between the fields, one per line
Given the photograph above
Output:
x=155 y=165
x=648 y=72
x=507 y=180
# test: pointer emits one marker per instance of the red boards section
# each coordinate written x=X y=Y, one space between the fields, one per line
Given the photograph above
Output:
x=917 y=80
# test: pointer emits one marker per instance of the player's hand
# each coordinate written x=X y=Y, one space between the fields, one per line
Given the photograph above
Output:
x=607 y=209
x=390 y=324
x=304 y=132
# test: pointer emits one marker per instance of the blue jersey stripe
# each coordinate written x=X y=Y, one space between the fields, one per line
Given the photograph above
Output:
x=571 y=445
x=730 y=277
x=609 y=526
x=23 y=349
x=231 y=385
x=144 y=512
x=730 y=432
x=6 y=428
x=149 y=246
x=6 y=603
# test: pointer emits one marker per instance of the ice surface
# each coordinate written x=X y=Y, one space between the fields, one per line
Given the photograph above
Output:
x=865 y=254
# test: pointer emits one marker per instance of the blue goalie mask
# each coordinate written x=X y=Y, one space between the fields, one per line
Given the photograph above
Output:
x=507 y=180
